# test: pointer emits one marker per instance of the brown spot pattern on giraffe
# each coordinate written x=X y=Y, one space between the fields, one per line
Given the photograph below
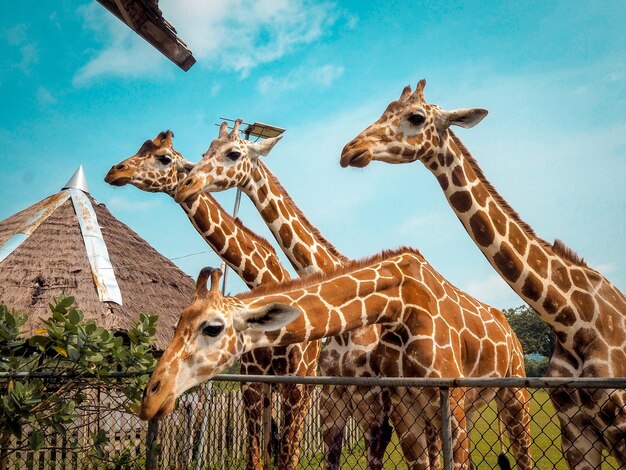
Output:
x=560 y=275
x=458 y=178
x=554 y=301
x=481 y=228
x=498 y=218
x=585 y=305
x=518 y=239
x=480 y=195
x=508 y=262
x=270 y=212
x=285 y=235
x=533 y=287
x=302 y=234
x=442 y=179
x=461 y=201
x=566 y=317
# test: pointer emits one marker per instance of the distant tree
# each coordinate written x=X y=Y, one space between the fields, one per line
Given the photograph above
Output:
x=536 y=368
x=536 y=337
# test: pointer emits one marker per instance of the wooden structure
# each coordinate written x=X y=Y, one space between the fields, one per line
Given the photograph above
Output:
x=146 y=19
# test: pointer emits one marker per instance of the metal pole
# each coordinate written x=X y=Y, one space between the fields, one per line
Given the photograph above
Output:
x=267 y=425
x=208 y=388
x=151 y=444
x=446 y=428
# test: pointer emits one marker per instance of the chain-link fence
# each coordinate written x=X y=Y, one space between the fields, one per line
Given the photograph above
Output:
x=348 y=423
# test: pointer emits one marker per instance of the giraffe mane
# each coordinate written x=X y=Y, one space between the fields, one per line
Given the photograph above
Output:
x=314 y=278
x=565 y=251
x=558 y=247
x=305 y=222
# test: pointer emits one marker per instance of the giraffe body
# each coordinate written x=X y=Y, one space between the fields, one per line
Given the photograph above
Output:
x=585 y=310
x=430 y=329
x=158 y=167
x=230 y=162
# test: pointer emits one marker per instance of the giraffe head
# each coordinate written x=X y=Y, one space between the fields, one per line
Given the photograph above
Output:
x=229 y=162
x=212 y=333
x=156 y=167
x=410 y=129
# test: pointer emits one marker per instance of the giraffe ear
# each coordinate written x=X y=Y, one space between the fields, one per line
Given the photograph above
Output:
x=262 y=148
x=270 y=317
x=463 y=117
x=188 y=166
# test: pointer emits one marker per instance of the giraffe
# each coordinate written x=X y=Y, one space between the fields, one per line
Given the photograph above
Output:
x=158 y=167
x=236 y=163
x=431 y=329
x=231 y=161
x=586 y=312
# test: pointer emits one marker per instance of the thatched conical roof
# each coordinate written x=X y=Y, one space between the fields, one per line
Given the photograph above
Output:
x=53 y=261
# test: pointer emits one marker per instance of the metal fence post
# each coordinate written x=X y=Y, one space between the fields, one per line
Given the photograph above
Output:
x=446 y=428
x=204 y=424
x=151 y=445
x=267 y=425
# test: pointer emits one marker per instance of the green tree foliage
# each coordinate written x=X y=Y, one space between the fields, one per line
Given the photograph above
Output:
x=536 y=337
x=536 y=368
x=78 y=355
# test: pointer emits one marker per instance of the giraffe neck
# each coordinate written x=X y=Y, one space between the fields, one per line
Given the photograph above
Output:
x=540 y=273
x=250 y=256
x=337 y=304
x=552 y=279
x=307 y=250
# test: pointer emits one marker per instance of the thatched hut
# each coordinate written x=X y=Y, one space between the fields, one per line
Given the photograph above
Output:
x=70 y=244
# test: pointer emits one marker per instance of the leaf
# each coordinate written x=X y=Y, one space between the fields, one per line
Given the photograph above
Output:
x=36 y=440
x=41 y=331
x=75 y=316
x=60 y=350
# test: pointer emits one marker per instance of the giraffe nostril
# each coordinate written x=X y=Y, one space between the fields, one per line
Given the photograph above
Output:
x=188 y=182
x=120 y=167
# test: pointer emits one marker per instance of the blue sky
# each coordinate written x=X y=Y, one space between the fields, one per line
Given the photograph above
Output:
x=77 y=87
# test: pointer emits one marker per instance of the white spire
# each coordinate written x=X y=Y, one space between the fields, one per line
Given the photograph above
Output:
x=77 y=181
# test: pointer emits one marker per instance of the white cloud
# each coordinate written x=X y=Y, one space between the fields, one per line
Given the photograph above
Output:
x=322 y=76
x=233 y=36
x=126 y=55
x=29 y=54
x=419 y=223
x=215 y=89
x=119 y=203
x=44 y=97
x=606 y=268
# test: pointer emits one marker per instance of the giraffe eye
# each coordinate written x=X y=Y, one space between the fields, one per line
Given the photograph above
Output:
x=165 y=159
x=233 y=155
x=417 y=119
x=212 y=330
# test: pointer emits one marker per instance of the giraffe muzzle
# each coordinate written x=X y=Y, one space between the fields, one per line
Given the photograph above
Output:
x=355 y=157
x=117 y=176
